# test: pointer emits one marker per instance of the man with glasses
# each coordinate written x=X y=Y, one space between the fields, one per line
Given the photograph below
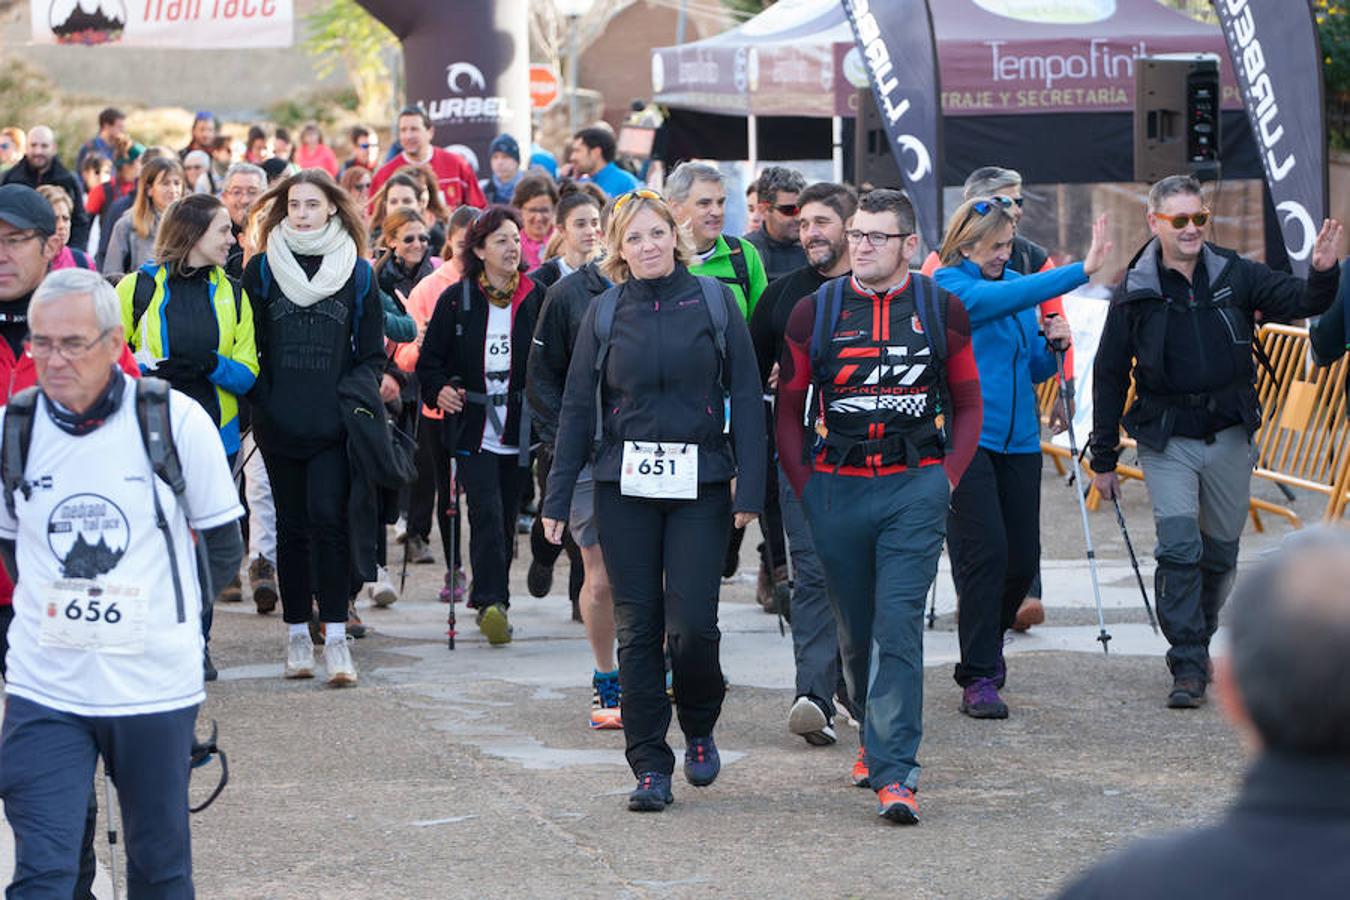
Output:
x=878 y=415
x=365 y=149
x=97 y=534
x=1182 y=322
x=776 y=239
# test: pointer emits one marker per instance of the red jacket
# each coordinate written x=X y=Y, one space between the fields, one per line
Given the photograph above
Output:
x=16 y=375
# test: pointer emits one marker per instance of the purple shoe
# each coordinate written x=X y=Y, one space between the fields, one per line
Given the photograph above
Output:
x=980 y=700
x=1000 y=670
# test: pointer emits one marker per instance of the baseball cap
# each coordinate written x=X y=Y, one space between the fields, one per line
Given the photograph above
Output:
x=133 y=153
x=25 y=208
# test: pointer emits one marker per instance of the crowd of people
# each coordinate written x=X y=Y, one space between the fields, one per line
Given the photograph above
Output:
x=593 y=362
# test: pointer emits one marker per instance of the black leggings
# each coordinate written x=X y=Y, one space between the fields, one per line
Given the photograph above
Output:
x=313 y=553
x=543 y=551
x=433 y=491
x=491 y=483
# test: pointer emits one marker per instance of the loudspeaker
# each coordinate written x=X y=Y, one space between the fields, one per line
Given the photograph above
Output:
x=874 y=164
x=1176 y=116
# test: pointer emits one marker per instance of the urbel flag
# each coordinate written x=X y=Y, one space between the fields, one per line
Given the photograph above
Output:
x=895 y=38
x=1278 y=62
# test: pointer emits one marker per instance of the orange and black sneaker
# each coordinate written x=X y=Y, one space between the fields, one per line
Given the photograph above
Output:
x=898 y=803
x=606 y=696
x=859 y=774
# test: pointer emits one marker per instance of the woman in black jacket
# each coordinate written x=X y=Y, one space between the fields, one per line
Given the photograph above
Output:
x=405 y=256
x=472 y=367
x=681 y=415
x=318 y=320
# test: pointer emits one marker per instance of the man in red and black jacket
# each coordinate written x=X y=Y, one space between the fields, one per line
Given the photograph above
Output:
x=889 y=396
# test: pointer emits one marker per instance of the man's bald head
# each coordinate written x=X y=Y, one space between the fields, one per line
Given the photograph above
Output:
x=1289 y=633
x=41 y=147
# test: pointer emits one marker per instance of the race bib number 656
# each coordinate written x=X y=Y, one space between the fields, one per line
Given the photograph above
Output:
x=659 y=471
x=82 y=614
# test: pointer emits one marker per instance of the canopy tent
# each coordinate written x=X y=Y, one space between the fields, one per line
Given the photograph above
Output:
x=1008 y=81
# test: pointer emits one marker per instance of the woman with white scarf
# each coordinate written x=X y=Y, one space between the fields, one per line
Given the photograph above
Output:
x=312 y=332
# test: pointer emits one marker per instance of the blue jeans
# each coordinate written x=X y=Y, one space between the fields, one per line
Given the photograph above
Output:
x=879 y=540
x=47 y=760
x=815 y=642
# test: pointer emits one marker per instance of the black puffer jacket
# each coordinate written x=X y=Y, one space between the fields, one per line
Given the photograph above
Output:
x=1217 y=383
x=565 y=305
x=661 y=384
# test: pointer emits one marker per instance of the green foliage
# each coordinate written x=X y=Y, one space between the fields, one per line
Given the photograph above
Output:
x=343 y=36
x=1333 y=24
x=322 y=107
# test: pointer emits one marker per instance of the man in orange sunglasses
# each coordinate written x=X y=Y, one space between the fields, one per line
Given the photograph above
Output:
x=1185 y=314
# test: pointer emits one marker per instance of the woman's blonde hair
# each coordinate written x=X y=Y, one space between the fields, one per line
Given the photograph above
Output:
x=967 y=227
x=143 y=210
x=56 y=194
x=625 y=209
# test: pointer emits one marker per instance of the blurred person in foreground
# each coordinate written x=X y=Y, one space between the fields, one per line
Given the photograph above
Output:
x=1283 y=686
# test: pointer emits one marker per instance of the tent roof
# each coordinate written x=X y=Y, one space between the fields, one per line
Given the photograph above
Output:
x=795 y=58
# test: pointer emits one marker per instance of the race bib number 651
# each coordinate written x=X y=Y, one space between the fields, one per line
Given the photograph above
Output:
x=659 y=471
x=82 y=614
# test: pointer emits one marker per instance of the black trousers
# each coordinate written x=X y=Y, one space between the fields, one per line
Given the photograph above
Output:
x=994 y=539
x=543 y=551
x=491 y=483
x=433 y=491
x=313 y=551
x=664 y=559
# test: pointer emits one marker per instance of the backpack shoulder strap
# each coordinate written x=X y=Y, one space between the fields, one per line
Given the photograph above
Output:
x=152 y=415
x=605 y=305
x=928 y=303
x=264 y=275
x=741 y=268
x=14 y=444
x=717 y=311
x=144 y=293
x=237 y=287
x=829 y=301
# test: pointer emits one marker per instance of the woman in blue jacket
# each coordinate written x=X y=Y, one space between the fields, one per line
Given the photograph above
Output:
x=993 y=529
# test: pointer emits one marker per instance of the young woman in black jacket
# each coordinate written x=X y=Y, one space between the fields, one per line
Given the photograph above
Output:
x=680 y=416
x=313 y=330
x=472 y=367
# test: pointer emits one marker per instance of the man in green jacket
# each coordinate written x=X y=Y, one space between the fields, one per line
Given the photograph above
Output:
x=697 y=195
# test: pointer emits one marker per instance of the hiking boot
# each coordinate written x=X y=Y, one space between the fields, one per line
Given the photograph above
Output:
x=262 y=581
x=493 y=622
x=209 y=672
x=418 y=550
x=299 y=657
x=382 y=591
x=1187 y=693
x=355 y=627
x=771 y=590
x=898 y=803
x=701 y=761
x=539 y=579
x=605 y=697
x=232 y=592
x=524 y=523
x=809 y=719
x=652 y=793
x=337 y=659
x=860 y=774
x=980 y=700
x=1031 y=612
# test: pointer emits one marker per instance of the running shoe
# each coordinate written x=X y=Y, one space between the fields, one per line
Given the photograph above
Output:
x=382 y=591
x=1187 y=693
x=652 y=793
x=262 y=581
x=980 y=700
x=495 y=625
x=860 y=773
x=809 y=719
x=418 y=550
x=232 y=592
x=605 y=697
x=701 y=761
x=299 y=656
x=898 y=803
x=337 y=659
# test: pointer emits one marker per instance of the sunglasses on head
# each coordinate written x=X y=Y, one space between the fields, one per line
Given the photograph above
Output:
x=641 y=193
x=982 y=207
x=415 y=238
x=788 y=209
x=1181 y=221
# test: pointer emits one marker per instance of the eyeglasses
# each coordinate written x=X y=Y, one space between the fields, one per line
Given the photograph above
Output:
x=365 y=146
x=415 y=238
x=15 y=241
x=789 y=209
x=1181 y=221
x=243 y=192
x=641 y=193
x=363 y=185
x=71 y=349
x=877 y=239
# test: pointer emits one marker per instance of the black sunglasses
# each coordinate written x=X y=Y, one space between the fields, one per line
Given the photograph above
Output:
x=419 y=238
x=789 y=209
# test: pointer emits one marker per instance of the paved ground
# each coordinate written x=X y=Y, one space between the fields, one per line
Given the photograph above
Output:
x=472 y=773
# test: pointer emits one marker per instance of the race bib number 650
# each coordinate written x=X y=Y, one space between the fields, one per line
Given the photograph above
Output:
x=659 y=471
x=82 y=614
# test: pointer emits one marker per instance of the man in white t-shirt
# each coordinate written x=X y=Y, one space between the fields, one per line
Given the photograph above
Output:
x=105 y=648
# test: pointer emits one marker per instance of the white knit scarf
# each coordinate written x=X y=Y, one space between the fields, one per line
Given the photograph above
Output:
x=332 y=242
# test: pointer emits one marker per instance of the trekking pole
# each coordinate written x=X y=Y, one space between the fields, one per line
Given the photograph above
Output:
x=932 y=606
x=403 y=573
x=1134 y=561
x=1066 y=397
x=452 y=431
x=110 y=812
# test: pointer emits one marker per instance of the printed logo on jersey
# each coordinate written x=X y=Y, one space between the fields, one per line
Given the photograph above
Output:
x=88 y=534
x=916 y=324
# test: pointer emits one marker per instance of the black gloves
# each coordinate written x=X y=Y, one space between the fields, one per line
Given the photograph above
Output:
x=186 y=367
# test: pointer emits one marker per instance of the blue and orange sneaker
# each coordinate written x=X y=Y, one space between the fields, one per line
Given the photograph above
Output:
x=652 y=793
x=605 y=698
x=860 y=773
x=701 y=761
x=898 y=803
